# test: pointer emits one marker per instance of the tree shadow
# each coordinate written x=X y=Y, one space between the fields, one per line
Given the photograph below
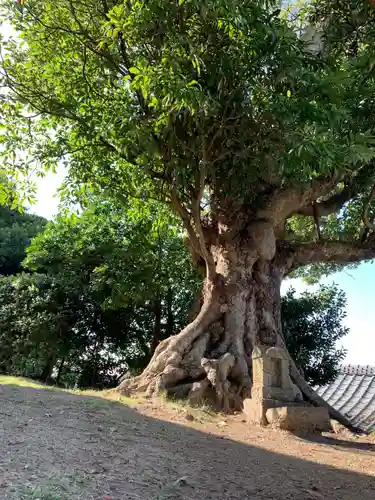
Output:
x=335 y=441
x=95 y=448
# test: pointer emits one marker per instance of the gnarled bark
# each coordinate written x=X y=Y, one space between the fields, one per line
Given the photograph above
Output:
x=241 y=307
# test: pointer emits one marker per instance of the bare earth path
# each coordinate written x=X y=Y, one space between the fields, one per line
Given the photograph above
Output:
x=60 y=446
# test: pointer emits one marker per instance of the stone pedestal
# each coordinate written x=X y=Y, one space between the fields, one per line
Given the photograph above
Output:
x=299 y=419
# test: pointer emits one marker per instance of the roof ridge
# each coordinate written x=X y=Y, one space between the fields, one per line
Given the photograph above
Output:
x=357 y=369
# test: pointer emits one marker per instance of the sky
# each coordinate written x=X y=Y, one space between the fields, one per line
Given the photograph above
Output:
x=358 y=284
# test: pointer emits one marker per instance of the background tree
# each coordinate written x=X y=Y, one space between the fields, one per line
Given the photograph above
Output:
x=50 y=331
x=91 y=306
x=312 y=325
x=36 y=323
x=259 y=137
x=125 y=256
x=16 y=231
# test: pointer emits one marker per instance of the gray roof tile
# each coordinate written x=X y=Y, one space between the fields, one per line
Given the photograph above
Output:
x=353 y=394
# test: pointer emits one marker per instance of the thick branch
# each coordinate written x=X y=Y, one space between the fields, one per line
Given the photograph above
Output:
x=342 y=252
x=286 y=201
x=333 y=205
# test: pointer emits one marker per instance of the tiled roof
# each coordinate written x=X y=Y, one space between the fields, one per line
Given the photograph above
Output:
x=353 y=395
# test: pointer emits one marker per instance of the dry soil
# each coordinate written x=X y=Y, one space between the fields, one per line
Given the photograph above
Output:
x=55 y=445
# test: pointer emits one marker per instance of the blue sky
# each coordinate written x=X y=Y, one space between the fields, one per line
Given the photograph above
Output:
x=358 y=284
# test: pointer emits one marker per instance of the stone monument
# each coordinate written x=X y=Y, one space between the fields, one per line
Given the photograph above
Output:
x=276 y=399
x=272 y=385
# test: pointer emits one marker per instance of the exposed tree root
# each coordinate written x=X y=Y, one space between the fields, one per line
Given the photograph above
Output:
x=217 y=371
x=200 y=379
x=199 y=374
x=193 y=376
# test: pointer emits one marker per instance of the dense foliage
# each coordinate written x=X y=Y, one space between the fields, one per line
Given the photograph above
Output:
x=16 y=231
x=163 y=98
x=103 y=289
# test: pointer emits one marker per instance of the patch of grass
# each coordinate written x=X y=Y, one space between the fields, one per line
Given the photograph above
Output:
x=27 y=382
x=20 y=382
x=50 y=491
x=109 y=395
x=112 y=395
x=203 y=412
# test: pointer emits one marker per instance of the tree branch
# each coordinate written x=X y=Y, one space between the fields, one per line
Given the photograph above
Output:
x=353 y=185
x=288 y=200
x=317 y=221
x=185 y=217
x=196 y=212
x=340 y=252
x=333 y=205
x=59 y=109
x=83 y=37
x=196 y=235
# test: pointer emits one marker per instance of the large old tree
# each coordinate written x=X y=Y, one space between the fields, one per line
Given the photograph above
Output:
x=254 y=122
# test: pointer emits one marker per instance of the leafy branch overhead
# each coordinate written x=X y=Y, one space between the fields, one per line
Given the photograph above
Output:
x=220 y=107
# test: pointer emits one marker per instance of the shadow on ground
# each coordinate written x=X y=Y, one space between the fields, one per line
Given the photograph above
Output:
x=341 y=443
x=60 y=446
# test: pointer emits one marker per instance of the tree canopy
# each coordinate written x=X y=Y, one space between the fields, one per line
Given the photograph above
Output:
x=214 y=106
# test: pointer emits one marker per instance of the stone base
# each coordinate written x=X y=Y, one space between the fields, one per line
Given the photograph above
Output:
x=299 y=418
x=256 y=409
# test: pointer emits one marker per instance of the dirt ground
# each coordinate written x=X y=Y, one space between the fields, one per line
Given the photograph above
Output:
x=56 y=445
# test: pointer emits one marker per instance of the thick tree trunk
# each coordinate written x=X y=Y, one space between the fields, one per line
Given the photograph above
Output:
x=156 y=334
x=61 y=366
x=170 y=318
x=211 y=357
